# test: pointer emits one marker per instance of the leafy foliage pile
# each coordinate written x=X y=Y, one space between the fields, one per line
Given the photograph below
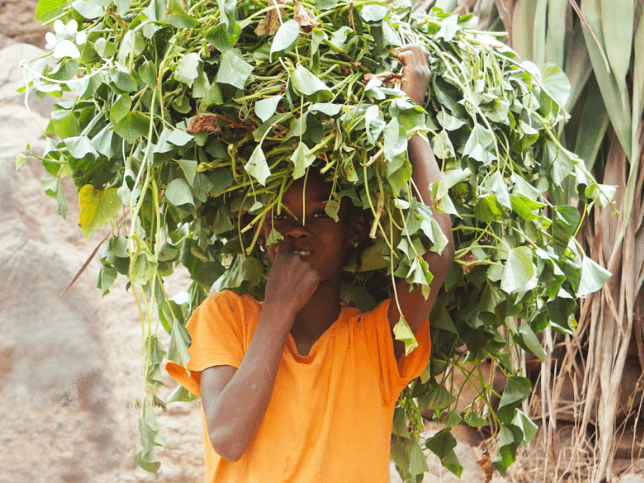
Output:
x=195 y=116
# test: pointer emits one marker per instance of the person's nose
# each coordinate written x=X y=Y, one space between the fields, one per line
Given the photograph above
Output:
x=297 y=231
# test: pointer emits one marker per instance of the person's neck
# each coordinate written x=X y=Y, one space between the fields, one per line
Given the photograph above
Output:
x=320 y=312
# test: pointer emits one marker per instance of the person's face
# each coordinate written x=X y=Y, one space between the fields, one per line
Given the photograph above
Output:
x=320 y=240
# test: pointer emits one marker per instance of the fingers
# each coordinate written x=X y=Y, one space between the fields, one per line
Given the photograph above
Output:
x=284 y=247
x=410 y=54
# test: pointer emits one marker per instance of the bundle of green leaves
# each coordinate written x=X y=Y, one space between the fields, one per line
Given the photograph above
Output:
x=193 y=117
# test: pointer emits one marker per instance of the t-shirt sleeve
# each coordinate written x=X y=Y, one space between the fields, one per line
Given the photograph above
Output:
x=395 y=375
x=218 y=336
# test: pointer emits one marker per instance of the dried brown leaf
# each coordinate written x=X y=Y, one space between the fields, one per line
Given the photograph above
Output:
x=468 y=260
x=486 y=465
x=388 y=79
x=271 y=23
x=203 y=123
x=305 y=18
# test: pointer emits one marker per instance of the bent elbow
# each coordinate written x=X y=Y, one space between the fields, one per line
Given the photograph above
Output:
x=226 y=447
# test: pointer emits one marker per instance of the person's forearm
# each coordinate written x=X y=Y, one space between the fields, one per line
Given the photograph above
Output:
x=242 y=404
x=425 y=173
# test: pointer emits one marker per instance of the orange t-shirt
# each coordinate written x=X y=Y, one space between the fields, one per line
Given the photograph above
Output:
x=330 y=414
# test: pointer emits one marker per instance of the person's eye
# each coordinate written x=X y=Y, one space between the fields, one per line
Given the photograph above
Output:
x=320 y=214
x=279 y=217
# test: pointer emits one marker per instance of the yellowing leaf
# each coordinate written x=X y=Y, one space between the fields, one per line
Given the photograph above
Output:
x=97 y=208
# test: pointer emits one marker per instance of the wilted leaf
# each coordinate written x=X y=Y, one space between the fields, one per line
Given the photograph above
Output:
x=97 y=207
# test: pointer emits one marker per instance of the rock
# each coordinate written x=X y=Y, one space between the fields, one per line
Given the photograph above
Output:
x=17 y=22
x=52 y=357
x=631 y=478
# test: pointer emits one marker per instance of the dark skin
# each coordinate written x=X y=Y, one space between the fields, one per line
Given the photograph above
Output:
x=303 y=288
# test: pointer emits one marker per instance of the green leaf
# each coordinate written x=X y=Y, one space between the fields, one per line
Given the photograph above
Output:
x=449 y=123
x=227 y=11
x=373 y=13
x=617 y=26
x=436 y=397
x=273 y=237
x=403 y=332
x=523 y=422
x=475 y=421
x=518 y=270
x=188 y=68
x=395 y=139
x=20 y=160
x=257 y=166
x=556 y=83
x=182 y=21
x=306 y=83
x=180 y=394
x=88 y=9
x=178 y=192
x=133 y=126
x=374 y=123
x=339 y=37
x=233 y=69
x=452 y=419
x=97 y=207
x=332 y=208
x=223 y=38
x=417 y=460
x=189 y=168
x=54 y=188
x=618 y=110
x=477 y=143
x=123 y=6
x=531 y=342
x=148 y=73
x=443 y=444
x=106 y=277
x=442 y=145
x=48 y=9
x=509 y=439
x=302 y=160
x=517 y=389
x=285 y=37
x=80 y=147
x=120 y=108
x=591 y=278
x=179 y=342
x=144 y=266
x=496 y=184
x=104 y=48
x=565 y=222
x=267 y=107
x=327 y=108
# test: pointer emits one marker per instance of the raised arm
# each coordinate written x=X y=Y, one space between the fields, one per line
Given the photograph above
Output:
x=235 y=400
x=415 y=308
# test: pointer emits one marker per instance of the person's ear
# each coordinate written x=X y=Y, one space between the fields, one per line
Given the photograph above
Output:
x=358 y=229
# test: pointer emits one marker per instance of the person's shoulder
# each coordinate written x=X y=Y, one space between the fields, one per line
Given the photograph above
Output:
x=230 y=299
x=226 y=305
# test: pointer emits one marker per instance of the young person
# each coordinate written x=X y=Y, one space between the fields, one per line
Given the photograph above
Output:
x=299 y=388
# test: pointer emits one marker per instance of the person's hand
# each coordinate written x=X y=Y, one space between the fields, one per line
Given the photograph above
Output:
x=416 y=73
x=291 y=281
